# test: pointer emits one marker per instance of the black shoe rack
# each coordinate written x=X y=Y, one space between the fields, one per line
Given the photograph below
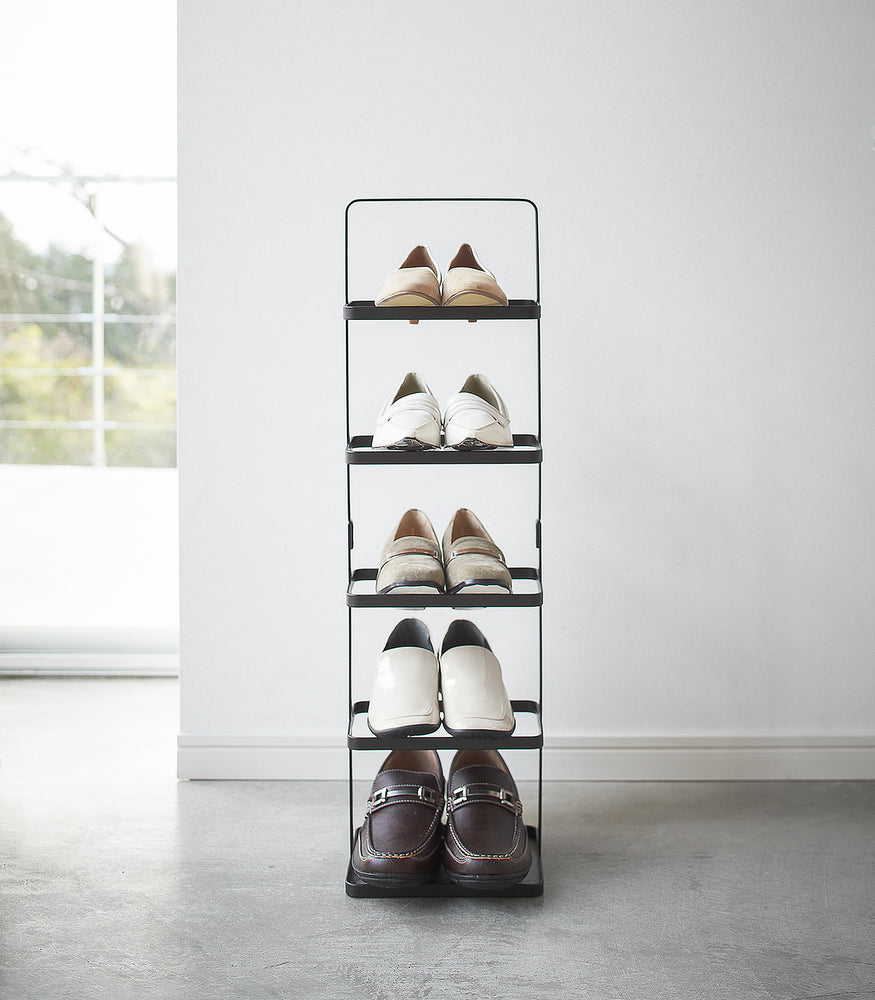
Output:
x=527 y=591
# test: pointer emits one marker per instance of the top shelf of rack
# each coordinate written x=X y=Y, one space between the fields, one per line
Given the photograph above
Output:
x=515 y=309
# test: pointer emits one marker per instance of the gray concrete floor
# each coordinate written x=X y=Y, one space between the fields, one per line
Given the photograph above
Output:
x=117 y=881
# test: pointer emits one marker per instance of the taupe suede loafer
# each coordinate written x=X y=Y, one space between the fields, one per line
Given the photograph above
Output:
x=411 y=558
x=473 y=563
x=416 y=283
x=400 y=839
x=486 y=843
x=468 y=283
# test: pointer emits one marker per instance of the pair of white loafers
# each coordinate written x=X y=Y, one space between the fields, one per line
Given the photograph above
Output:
x=475 y=417
x=412 y=685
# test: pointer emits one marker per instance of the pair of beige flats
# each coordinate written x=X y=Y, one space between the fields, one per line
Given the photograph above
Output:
x=411 y=559
x=417 y=282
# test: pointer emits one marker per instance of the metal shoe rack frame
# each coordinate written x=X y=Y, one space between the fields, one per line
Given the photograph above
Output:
x=527 y=580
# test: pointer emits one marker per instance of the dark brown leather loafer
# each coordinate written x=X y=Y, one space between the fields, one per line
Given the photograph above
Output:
x=399 y=843
x=486 y=842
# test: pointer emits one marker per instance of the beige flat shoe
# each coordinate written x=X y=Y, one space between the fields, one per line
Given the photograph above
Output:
x=468 y=283
x=411 y=558
x=473 y=563
x=416 y=283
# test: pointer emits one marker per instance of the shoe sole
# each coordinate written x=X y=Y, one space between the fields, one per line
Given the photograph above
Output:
x=407 y=299
x=480 y=734
x=474 y=299
x=486 y=882
x=411 y=588
x=474 y=444
x=422 y=729
x=480 y=587
x=395 y=882
x=410 y=444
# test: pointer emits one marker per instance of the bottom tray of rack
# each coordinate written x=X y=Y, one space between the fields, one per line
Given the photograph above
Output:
x=531 y=885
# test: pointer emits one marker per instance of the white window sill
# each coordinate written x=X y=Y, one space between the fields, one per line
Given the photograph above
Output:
x=89 y=569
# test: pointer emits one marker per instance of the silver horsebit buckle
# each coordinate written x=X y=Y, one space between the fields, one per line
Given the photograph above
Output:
x=382 y=795
x=505 y=798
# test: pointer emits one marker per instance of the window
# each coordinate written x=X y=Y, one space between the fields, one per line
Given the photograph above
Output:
x=88 y=340
x=87 y=331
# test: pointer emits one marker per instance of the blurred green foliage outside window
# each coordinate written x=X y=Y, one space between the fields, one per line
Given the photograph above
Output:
x=41 y=361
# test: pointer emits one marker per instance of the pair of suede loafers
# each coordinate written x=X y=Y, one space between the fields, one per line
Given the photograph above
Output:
x=412 y=685
x=411 y=563
x=403 y=842
x=417 y=282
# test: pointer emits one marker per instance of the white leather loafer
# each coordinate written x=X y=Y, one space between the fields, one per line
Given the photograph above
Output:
x=476 y=417
x=411 y=419
x=404 y=701
x=475 y=700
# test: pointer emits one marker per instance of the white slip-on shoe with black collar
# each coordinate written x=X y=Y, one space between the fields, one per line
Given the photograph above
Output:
x=404 y=701
x=474 y=697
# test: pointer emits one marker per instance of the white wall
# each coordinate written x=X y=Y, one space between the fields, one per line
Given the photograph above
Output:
x=705 y=179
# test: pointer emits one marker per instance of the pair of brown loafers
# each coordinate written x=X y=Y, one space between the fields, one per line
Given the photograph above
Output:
x=402 y=841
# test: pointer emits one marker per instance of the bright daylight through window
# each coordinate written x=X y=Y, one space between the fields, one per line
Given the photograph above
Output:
x=88 y=336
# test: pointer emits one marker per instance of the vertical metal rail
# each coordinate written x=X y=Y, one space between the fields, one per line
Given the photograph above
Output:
x=349 y=750
x=540 y=545
x=349 y=527
x=350 y=531
x=540 y=656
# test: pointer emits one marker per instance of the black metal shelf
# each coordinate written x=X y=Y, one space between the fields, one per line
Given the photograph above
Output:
x=526 y=450
x=531 y=885
x=515 y=309
x=527 y=735
x=528 y=595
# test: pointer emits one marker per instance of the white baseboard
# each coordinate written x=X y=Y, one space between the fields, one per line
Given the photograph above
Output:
x=88 y=664
x=99 y=651
x=603 y=758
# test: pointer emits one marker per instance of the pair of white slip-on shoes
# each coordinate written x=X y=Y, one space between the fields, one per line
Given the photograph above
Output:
x=410 y=678
x=475 y=417
x=417 y=282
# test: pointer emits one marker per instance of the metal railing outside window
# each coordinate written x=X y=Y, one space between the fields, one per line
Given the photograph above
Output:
x=16 y=281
